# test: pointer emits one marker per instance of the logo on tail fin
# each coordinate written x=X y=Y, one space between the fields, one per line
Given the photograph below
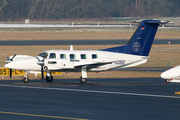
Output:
x=136 y=47
x=141 y=41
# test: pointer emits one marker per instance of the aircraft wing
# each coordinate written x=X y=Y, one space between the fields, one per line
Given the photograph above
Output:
x=94 y=64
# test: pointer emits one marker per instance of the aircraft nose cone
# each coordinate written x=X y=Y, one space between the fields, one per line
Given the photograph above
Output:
x=165 y=75
x=171 y=73
x=11 y=65
x=7 y=66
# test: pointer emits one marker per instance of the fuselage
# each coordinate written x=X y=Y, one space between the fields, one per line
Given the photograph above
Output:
x=67 y=60
x=134 y=53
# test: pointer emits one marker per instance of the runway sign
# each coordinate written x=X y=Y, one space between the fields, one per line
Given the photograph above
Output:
x=6 y=72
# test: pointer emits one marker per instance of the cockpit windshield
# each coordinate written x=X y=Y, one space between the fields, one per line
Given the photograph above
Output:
x=43 y=54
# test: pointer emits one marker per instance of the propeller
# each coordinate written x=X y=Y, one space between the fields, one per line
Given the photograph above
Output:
x=10 y=73
x=9 y=60
x=41 y=63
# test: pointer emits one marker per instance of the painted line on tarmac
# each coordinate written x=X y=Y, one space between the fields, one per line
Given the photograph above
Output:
x=93 y=91
x=35 y=115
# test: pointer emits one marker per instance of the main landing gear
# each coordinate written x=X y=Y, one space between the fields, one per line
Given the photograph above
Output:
x=49 y=77
x=83 y=78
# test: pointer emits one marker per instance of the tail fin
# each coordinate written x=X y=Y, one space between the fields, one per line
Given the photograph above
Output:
x=141 y=41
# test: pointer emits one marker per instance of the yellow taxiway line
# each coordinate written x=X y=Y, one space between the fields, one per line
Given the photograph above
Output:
x=177 y=93
x=45 y=116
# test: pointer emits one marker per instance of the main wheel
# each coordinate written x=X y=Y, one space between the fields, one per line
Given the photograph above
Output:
x=82 y=80
x=25 y=79
x=49 y=78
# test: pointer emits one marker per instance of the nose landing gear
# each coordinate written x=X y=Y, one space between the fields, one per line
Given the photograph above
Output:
x=49 y=78
x=25 y=79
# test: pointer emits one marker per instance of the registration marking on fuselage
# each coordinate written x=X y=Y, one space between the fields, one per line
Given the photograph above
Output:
x=92 y=91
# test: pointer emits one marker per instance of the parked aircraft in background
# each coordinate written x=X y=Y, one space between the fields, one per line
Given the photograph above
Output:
x=172 y=75
x=134 y=53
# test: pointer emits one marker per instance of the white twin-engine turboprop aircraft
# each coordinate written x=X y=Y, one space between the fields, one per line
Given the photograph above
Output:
x=134 y=53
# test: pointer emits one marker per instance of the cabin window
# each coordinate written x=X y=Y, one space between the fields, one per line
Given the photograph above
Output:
x=94 y=56
x=83 y=56
x=62 y=56
x=72 y=56
x=52 y=55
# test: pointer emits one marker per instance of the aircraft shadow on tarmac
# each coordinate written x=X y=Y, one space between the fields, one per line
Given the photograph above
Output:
x=91 y=82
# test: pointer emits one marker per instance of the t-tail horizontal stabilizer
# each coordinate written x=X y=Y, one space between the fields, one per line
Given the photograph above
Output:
x=141 y=41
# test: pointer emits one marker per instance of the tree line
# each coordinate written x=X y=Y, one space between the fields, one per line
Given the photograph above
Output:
x=86 y=9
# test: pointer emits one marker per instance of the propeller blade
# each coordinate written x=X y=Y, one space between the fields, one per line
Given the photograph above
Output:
x=41 y=63
x=8 y=59
x=6 y=56
x=13 y=57
x=42 y=72
x=38 y=58
x=10 y=73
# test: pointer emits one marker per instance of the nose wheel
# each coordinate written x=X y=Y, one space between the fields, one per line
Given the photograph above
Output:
x=49 y=78
x=25 y=79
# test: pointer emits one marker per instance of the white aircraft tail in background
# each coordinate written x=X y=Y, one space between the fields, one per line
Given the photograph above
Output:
x=134 y=53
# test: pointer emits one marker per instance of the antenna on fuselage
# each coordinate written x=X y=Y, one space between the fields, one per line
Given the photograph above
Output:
x=71 y=47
